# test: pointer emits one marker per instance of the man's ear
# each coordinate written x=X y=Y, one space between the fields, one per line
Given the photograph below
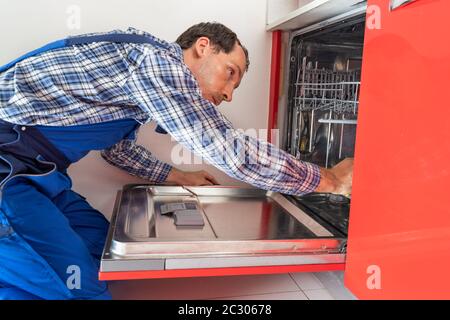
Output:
x=202 y=47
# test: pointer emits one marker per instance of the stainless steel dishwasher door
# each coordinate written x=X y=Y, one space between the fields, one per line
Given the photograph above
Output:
x=243 y=227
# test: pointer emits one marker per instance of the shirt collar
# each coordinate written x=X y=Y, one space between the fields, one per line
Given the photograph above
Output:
x=176 y=49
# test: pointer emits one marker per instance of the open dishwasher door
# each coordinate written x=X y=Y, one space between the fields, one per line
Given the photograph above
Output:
x=166 y=231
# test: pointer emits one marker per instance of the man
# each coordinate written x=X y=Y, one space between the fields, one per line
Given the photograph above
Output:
x=62 y=102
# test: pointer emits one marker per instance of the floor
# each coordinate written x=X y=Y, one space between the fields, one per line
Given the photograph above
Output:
x=293 y=286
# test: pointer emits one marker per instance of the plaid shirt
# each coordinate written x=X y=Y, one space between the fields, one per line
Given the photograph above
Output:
x=98 y=82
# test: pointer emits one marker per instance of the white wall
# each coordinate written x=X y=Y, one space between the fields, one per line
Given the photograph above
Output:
x=26 y=25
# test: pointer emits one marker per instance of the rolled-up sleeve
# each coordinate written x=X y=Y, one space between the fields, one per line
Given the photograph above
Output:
x=170 y=94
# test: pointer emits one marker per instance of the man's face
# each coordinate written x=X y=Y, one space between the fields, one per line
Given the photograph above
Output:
x=219 y=73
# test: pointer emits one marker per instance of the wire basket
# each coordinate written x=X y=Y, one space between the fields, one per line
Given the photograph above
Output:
x=327 y=100
x=322 y=89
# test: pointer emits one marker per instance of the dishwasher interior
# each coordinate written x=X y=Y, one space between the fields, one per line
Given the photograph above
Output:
x=322 y=106
x=324 y=81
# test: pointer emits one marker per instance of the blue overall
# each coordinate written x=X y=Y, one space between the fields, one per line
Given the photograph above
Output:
x=51 y=239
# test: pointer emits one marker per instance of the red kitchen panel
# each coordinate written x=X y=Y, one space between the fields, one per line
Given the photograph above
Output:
x=399 y=235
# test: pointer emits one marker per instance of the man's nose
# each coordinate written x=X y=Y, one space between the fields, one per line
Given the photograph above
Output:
x=228 y=94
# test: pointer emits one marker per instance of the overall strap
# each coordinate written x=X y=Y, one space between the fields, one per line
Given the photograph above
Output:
x=113 y=37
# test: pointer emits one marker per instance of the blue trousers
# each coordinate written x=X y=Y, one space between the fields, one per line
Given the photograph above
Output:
x=50 y=243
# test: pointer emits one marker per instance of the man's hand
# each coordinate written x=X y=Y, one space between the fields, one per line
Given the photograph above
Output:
x=195 y=178
x=337 y=179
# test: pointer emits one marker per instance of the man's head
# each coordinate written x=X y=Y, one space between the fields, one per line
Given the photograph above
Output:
x=217 y=59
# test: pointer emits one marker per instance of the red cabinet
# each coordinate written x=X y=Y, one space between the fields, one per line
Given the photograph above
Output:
x=399 y=233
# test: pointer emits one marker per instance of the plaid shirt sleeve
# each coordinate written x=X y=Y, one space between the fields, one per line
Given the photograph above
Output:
x=136 y=160
x=168 y=91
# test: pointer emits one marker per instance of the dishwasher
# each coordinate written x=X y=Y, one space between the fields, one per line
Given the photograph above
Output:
x=175 y=231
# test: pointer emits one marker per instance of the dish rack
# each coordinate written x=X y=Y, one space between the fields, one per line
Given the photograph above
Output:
x=323 y=89
x=328 y=96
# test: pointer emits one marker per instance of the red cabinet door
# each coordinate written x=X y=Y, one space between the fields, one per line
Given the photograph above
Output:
x=399 y=235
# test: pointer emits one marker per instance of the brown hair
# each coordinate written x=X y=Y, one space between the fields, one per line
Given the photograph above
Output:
x=221 y=37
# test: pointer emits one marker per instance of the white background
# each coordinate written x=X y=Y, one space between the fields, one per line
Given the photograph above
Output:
x=26 y=25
